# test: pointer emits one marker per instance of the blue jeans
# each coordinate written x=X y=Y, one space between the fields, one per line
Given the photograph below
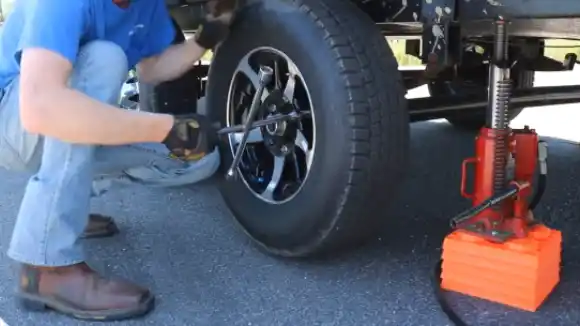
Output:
x=55 y=208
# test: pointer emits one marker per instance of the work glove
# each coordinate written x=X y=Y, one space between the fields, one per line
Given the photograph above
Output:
x=215 y=26
x=192 y=137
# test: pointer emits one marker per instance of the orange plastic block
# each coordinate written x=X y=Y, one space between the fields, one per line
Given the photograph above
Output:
x=520 y=272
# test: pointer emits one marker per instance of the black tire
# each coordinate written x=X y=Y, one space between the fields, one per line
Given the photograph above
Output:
x=476 y=120
x=362 y=125
x=177 y=96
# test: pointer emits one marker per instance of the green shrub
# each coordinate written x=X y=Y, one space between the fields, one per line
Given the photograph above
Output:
x=562 y=47
x=398 y=47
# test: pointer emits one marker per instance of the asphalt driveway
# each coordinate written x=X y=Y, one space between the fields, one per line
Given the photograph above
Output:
x=183 y=244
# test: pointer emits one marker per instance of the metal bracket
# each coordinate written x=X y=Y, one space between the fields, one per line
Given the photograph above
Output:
x=439 y=35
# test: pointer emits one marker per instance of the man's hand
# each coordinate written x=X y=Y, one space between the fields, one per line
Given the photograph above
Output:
x=222 y=10
x=192 y=137
x=216 y=25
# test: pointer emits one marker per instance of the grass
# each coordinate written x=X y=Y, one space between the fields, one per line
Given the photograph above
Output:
x=559 y=52
x=207 y=56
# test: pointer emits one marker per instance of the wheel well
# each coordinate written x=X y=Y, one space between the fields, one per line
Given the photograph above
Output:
x=189 y=14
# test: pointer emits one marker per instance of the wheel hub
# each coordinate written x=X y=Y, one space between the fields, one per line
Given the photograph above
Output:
x=276 y=129
x=279 y=138
x=278 y=156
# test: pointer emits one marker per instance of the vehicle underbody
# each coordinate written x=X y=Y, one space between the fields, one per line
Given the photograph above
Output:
x=349 y=158
x=440 y=32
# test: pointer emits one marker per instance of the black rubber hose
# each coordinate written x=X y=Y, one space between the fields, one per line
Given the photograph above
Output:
x=542 y=180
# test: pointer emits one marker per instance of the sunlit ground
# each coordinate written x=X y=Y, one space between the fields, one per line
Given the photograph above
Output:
x=558 y=121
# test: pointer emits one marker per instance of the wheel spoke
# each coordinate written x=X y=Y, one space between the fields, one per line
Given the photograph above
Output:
x=279 y=162
x=291 y=83
x=277 y=74
x=255 y=136
x=245 y=68
x=296 y=167
x=302 y=143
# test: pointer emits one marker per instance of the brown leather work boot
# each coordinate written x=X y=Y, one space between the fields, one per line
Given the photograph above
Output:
x=100 y=226
x=80 y=292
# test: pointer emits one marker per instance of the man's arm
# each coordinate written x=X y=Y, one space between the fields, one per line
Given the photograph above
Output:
x=171 y=64
x=49 y=107
x=48 y=49
x=164 y=62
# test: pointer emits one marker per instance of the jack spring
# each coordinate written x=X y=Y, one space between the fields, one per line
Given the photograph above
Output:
x=499 y=98
x=501 y=142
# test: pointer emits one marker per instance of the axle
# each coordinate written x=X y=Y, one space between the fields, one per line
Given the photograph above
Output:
x=443 y=106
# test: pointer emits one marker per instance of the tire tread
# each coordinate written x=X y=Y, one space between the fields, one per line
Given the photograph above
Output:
x=379 y=123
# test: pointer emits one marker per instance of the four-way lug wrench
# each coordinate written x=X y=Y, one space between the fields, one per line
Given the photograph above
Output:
x=264 y=77
x=292 y=116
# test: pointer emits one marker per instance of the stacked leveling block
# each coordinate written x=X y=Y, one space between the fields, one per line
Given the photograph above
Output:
x=497 y=250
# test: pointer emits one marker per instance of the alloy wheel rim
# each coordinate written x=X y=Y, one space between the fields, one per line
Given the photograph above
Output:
x=278 y=158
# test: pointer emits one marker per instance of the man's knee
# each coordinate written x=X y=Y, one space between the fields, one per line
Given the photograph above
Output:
x=100 y=70
x=104 y=57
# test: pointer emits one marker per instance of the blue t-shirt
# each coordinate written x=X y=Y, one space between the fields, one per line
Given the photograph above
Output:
x=143 y=29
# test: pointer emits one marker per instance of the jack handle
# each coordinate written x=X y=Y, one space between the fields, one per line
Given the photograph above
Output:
x=513 y=189
x=466 y=162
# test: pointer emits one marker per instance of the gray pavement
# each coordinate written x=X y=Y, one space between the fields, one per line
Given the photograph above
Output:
x=184 y=244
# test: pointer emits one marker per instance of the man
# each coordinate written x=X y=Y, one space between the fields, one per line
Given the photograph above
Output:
x=62 y=65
